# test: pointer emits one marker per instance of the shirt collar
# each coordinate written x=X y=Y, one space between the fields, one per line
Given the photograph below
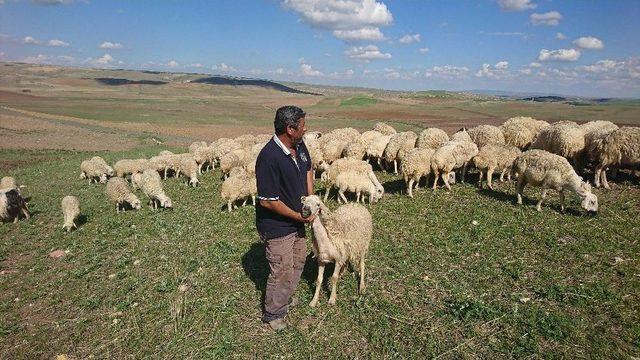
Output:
x=281 y=145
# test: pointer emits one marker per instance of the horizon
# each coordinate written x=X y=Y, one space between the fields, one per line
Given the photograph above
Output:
x=518 y=46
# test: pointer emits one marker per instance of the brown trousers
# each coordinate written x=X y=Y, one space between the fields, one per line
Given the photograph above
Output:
x=286 y=256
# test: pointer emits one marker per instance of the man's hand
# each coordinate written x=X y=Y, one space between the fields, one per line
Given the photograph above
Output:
x=309 y=219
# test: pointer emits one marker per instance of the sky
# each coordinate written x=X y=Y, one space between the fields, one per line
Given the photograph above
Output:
x=571 y=47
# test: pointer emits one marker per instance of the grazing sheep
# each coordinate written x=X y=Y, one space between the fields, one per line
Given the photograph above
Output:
x=316 y=155
x=591 y=141
x=357 y=183
x=230 y=160
x=598 y=125
x=530 y=123
x=70 y=211
x=98 y=160
x=164 y=163
x=332 y=149
x=375 y=150
x=151 y=185
x=189 y=168
x=564 y=138
x=12 y=204
x=237 y=187
x=551 y=171
x=165 y=152
x=264 y=138
x=129 y=167
x=195 y=145
x=341 y=236
x=461 y=135
x=368 y=136
x=620 y=148
x=432 y=138
x=345 y=134
x=119 y=193
x=384 y=129
x=349 y=164
x=94 y=171
x=354 y=150
x=310 y=136
x=483 y=135
x=416 y=164
x=399 y=144
x=518 y=135
x=205 y=155
x=451 y=156
x=495 y=157
x=246 y=140
x=8 y=182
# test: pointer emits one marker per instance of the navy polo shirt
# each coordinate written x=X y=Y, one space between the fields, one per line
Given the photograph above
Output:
x=281 y=176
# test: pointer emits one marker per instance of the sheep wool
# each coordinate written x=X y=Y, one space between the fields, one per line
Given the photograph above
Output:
x=8 y=182
x=12 y=205
x=530 y=123
x=70 y=211
x=93 y=171
x=375 y=150
x=564 y=138
x=598 y=125
x=151 y=185
x=452 y=155
x=620 y=148
x=238 y=187
x=483 y=135
x=349 y=164
x=119 y=193
x=195 y=145
x=416 y=164
x=399 y=144
x=432 y=138
x=356 y=183
x=461 y=135
x=495 y=157
x=517 y=135
x=384 y=129
x=189 y=169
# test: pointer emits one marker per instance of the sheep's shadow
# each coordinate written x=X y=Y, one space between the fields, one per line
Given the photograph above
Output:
x=502 y=196
x=527 y=201
x=81 y=220
x=396 y=186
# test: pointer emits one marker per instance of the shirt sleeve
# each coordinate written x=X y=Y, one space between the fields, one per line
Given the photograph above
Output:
x=306 y=151
x=267 y=179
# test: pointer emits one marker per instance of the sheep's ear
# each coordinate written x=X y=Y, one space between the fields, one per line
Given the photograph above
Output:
x=303 y=198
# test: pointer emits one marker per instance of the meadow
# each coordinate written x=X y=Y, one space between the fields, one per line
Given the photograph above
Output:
x=460 y=274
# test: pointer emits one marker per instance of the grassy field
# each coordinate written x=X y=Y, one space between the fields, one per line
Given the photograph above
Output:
x=187 y=283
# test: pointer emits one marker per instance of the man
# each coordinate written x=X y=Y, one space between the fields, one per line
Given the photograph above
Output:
x=283 y=175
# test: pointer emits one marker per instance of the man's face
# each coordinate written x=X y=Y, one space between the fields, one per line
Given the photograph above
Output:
x=297 y=134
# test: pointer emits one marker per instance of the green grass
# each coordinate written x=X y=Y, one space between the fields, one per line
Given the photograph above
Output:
x=518 y=284
x=359 y=101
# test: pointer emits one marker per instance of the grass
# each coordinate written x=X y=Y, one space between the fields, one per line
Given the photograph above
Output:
x=359 y=101
x=187 y=283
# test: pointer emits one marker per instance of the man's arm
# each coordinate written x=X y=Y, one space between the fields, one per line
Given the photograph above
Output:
x=280 y=208
x=310 y=182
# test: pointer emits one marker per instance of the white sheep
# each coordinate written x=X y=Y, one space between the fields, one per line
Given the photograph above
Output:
x=240 y=186
x=416 y=164
x=309 y=136
x=195 y=145
x=129 y=167
x=530 y=123
x=189 y=169
x=264 y=138
x=12 y=205
x=345 y=134
x=398 y=146
x=355 y=150
x=230 y=160
x=165 y=152
x=8 y=183
x=564 y=138
x=461 y=135
x=384 y=128
x=98 y=160
x=518 y=135
x=376 y=148
x=483 y=135
x=94 y=171
x=495 y=157
x=357 y=183
x=598 y=125
x=342 y=236
x=119 y=193
x=70 y=211
x=368 y=136
x=349 y=164
x=452 y=155
x=551 y=171
x=332 y=149
x=620 y=148
x=151 y=185
x=432 y=138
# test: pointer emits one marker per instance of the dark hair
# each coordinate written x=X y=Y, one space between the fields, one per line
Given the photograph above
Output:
x=287 y=116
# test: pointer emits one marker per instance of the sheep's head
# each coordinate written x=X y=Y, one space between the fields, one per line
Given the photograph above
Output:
x=378 y=193
x=135 y=203
x=324 y=166
x=451 y=179
x=165 y=202
x=109 y=170
x=310 y=205
x=194 y=181
x=103 y=178
x=589 y=200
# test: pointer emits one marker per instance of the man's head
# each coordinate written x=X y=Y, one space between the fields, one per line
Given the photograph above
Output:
x=290 y=120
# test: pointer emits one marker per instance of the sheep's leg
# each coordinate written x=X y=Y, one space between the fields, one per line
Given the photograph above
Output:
x=446 y=180
x=314 y=173
x=25 y=212
x=520 y=188
x=561 y=200
x=15 y=219
x=379 y=165
x=502 y=175
x=605 y=183
x=229 y=206
x=395 y=166
x=341 y=193
x=334 y=284
x=464 y=172
x=489 y=178
x=326 y=194
x=480 y=179
x=316 y=295
x=597 y=176
x=435 y=180
x=253 y=200
x=244 y=202
x=417 y=183
x=362 y=286
x=542 y=196
x=410 y=188
x=358 y=197
x=117 y=208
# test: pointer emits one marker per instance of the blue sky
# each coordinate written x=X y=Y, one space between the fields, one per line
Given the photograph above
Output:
x=585 y=47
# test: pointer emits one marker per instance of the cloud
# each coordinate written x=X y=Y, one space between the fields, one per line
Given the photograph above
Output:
x=110 y=45
x=346 y=18
x=408 y=39
x=57 y=43
x=307 y=70
x=503 y=33
x=31 y=41
x=535 y=65
x=559 y=55
x=621 y=71
x=366 y=53
x=589 y=42
x=173 y=64
x=52 y=2
x=526 y=71
x=446 y=71
x=365 y=33
x=224 y=68
x=46 y=59
x=196 y=65
x=423 y=50
x=498 y=70
x=105 y=59
x=560 y=36
x=347 y=74
x=551 y=18
x=516 y=5
x=38 y=59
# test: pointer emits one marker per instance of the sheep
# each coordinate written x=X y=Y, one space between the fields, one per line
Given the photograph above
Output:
x=240 y=186
x=349 y=164
x=195 y=145
x=355 y=150
x=376 y=148
x=316 y=156
x=246 y=140
x=230 y=160
x=432 y=138
x=8 y=182
x=311 y=136
x=384 y=129
x=551 y=171
x=165 y=152
x=564 y=138
x=398 y=145
x=94 y=170
x=12 y=204
x=342 y=236
x=332 y=149
x=119 y=193
x=70 y=211
x=483 y=135
x=98 y=160
x=164 y=163
x=598 y=125
x=461 y=135
x=620 y=148
x=518 y=135
x=205 y=155
x=494 y=157
x=357 y=183
x=189 y=168
x=151 y=185
x=530 y=123
x=128 y=167
x=264 y=138
x=452 y=155
x=416 y=164
x=345 y=134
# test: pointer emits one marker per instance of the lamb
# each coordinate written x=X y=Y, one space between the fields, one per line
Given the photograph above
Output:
x=341 y=236
x=92 y=171
x=530 y=123
x=551 y=171
x=564 y=138
x=70 y=211
x=483 y=135
x=620 y=148
x=432 y=138
x=399 y=144
x=332 y=149
x=119 y=193
x=384 y=128
x=453 y=155
x=230 y=160
x=349 y=164
x=8 y=182
x=12 y=204
x=357 y=183
x=151 y=185
x=416 y=164
x=375 y=150
x=518 y=135
x=495 y=157
x=128 y=167
x=238 y=187
x=189 y=168
x=98 y=160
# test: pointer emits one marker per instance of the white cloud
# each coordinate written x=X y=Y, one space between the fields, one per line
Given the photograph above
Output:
x=279 y=71
x=307 y=70
x=516 y=5
x=366 y=53
x=46 y=59
x=485 y=71
x=502 y=65
x=57 y=43
x=423 y=50
x=173 y=64
x=589 y=42
x=526 y=71
x=347 y=74
x=223 y=68
x=560 y=36
x=196 y=65
x=551 y=18
x=110 y=45
x=447 y=71
x=496 y=71
x=408 y=39
x=31 y=41
x=2 y=54
x=105 y=59
x=505 y=33
x=535 y=65
x=38 y=59
x=559 y=55
x=365 y=33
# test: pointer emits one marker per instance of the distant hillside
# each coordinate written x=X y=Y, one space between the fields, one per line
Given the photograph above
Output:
x=219 y=80
x=119 y=81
